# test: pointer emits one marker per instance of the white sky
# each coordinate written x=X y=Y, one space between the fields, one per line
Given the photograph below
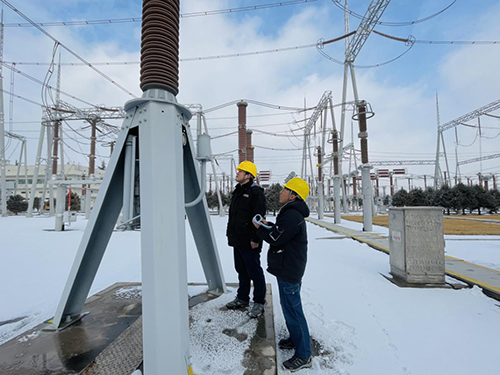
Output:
x=401 y=93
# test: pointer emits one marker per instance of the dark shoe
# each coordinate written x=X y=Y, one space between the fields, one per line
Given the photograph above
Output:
x=256 y=310
x=295 y=364
x=286 y=344
x=237 y=304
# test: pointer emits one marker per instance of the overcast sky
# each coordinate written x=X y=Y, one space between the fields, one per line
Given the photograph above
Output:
x=402 y=93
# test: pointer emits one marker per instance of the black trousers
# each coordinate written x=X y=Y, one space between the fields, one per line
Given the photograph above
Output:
x=247 y=264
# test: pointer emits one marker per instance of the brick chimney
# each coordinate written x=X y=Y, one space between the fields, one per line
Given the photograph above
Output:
x=242 y=132
x=250 y=148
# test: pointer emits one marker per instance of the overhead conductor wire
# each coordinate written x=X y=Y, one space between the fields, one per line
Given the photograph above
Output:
x=109 y=79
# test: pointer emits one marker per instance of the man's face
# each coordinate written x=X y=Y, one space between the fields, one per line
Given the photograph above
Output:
x=286 y=195
x=241 y=176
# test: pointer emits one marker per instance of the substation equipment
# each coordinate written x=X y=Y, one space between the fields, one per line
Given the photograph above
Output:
x=156 y=130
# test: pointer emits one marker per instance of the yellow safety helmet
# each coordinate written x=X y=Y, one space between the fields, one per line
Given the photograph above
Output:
x=299 y=186
x=249 y=167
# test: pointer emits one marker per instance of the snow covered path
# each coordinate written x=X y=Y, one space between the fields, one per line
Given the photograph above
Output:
x=368 y=324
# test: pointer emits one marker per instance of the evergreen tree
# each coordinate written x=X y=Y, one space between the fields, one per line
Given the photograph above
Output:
x=76 y=202
x=444 y=198
x=226 y=199
x=495 y=197
x=36 y=203
x=417 y=197
x=401 y=198
x=212 y=201
x=272 y=194
x=460 y=196
x=490 y=202
x=431 y=196
x=16 y=204
x=480 y=199
x=386 y=200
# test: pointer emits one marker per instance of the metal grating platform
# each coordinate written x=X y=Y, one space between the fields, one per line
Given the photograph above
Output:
x=108 y=340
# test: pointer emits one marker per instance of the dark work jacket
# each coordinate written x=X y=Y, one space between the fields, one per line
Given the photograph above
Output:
x=247 y=201
x=287 y=255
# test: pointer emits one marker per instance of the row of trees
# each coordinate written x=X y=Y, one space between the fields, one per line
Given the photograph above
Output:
x=458 y=198
x=17 y=203
x=271 y=193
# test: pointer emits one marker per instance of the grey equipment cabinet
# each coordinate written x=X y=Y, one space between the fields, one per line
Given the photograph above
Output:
x=416 y=243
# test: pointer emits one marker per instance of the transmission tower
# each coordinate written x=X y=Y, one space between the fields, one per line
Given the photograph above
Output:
x=3 y=181
x=353 y=47
x=462 y=120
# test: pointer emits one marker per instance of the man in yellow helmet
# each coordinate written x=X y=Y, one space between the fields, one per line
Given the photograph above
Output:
x=286 y=259
x=247 y=201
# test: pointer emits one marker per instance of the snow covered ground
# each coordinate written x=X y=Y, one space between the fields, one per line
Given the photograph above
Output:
x=366 y=323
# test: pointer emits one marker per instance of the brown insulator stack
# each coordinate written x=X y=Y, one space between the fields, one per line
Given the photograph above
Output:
x=56 y=146
x=320 y=162
x=362 y=131
x=160 y=45
x=242 y=131
x=335 y=138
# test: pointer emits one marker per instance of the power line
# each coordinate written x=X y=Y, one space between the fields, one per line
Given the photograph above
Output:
x=275 y=134
x=256 y=102
x=45 y=84
x=280 y=149
x=419 y=41
x=182 y=15
x=405 y=23
x=109 y=79
x=25 y=99
x=410 y=41
x=264 y=115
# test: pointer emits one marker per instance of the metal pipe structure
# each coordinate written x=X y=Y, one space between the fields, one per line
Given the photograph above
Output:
x=222 y=213
x=36 y=172
x=365 y=169
x=336 y=176
x=55 y=157
x=128 y=183
x=320 y=184
x=3 y=181
x=60 y=203
x=163 y=242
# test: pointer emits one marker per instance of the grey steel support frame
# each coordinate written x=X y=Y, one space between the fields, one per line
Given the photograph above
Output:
x=36 y=172
x=367 y=197
x=168 y=177
x=60 y=204
x=88 y=199
x=336 y=194
x=129 y=182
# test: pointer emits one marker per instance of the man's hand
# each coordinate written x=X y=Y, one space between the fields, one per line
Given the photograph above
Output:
x=254 y=245
x=263 y=221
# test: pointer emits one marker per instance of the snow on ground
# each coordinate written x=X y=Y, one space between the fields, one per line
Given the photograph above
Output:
x=364 y=323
